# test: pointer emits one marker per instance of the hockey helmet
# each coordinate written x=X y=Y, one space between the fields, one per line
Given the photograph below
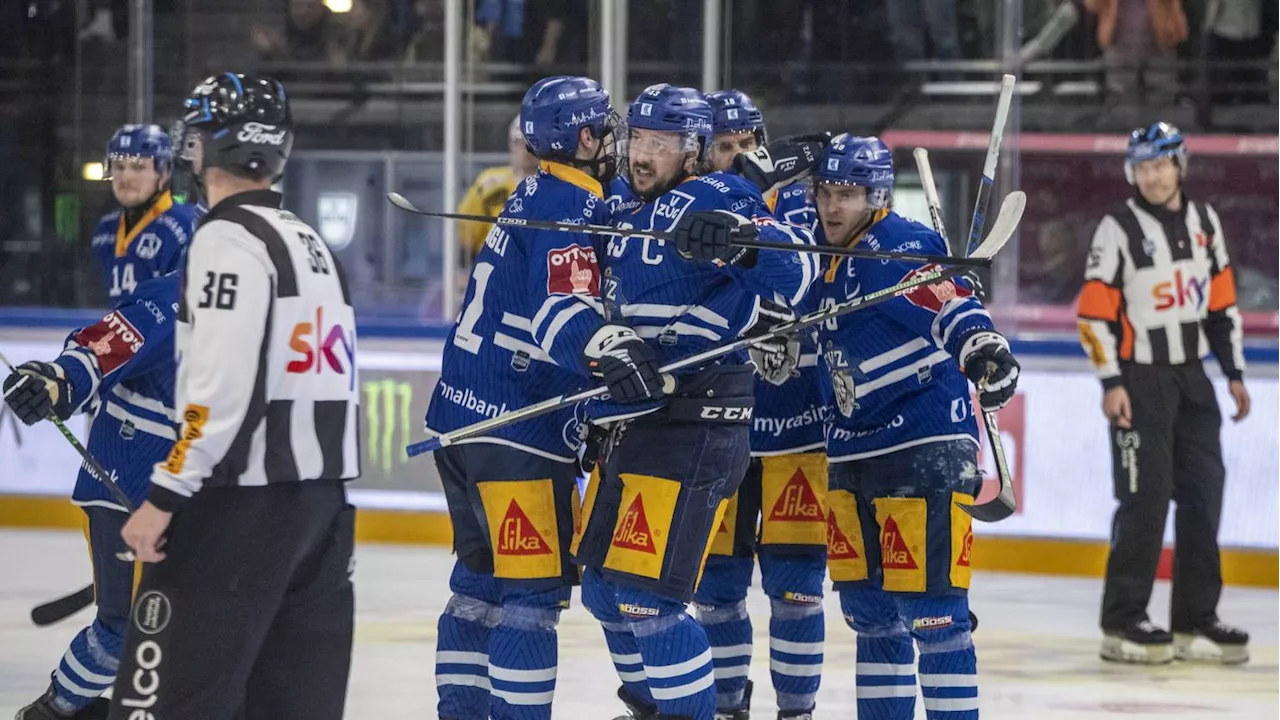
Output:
x=139 y=141
x=1159 y=140
x=244 y=123
x=860 y=161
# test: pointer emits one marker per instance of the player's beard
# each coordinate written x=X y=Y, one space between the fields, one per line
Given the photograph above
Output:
x=660 y=187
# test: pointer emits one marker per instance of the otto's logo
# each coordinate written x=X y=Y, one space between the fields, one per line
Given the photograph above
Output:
x=633 y=531
x=797 y=503
x=518 y=536
x=1182 y=291
x=309 y=337
x=114 y=340
x=573 y=270
x=893 y=549
x=261 y=134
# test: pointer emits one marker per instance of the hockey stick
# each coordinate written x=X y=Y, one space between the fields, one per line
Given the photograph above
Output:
x=62 y=608
x=1010 y=214
x=401 y=202
x=1006 y=502
x=989 y=167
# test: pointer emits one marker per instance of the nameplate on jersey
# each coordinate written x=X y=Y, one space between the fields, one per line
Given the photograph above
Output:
x=114 y=340
x=573 y=270
x=670 y=208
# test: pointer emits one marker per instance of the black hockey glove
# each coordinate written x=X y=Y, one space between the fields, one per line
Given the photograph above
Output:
x=985 y=355
x=710 y=236
x=974 y=281
x=619 y=358
x=777 y=360
x=782 y=161
x=37 y=390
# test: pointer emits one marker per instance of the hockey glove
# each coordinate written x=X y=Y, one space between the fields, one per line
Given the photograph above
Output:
x=782 y=161
x=776 y=359
x=985 y=355
x=37 y=390
x=710 y=236
x=974 y=282
x=619 y=358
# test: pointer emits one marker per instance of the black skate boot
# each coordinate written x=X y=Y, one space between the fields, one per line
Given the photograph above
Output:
x=1142 y=643
x=742 y=713
x=636 y=709
x=1228 y=645
x=795 y=715
x=41 y=709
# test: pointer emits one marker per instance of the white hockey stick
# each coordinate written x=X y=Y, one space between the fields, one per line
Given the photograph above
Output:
x=989 y=167
x=1010 y=215
x=1004 y=504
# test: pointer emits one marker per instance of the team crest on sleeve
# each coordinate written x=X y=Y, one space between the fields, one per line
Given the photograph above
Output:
x=573 y=270
x=841 y=380
x=114 y=340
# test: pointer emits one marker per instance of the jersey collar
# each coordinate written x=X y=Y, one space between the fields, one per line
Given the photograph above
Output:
x=835 y=260
x=573 y=176
x=258 y=198
x=124 y=238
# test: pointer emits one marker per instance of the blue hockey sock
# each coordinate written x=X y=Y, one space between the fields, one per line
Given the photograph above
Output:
x=886 y=676
x=523 y=655
x=728 y=631
x=87 y=669
x=948 y=663
x=796 y=634
x=598 y=597
x=462 y=646
x=677 y=657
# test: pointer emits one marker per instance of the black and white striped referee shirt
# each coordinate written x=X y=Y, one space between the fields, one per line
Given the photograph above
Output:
x=266 y=345
x=1159 y=290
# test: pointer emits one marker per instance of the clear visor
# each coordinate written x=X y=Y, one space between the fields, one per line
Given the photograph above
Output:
x=660 y=142
x=129 y=160
x=876 y=198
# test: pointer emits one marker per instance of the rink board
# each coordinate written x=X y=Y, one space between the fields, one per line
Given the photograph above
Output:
x=1054 y=439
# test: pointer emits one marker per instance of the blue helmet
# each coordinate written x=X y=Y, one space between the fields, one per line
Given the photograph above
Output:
x=734 y=112
x=556 y=108
x=680 y=110
x=140 y=141
x=861 y=161
x=1159 y=140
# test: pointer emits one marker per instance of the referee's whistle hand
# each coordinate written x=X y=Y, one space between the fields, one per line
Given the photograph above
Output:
x=144 y=532
x=1241 y=396
x=1115 y=405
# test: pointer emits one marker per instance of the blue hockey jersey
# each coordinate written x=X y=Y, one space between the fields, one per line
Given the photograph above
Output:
x=789 y=418
x=154 y=246
x=682 y=307
x=531 y=292
x=891 y=372
x=122 y=369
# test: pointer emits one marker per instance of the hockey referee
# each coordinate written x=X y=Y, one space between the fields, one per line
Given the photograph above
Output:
x=1158 y=296
x=247 y=603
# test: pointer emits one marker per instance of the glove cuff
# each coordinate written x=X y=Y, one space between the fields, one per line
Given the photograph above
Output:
x=607 y=338
x=977 y=340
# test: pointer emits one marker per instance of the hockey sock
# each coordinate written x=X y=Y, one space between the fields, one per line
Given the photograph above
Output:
x=598 y=597
x=523 y=654
x=87 y=669
x=462 y=646
x=796 y=633
x=886 y=676
x=677 y=657
x=728 y=631
x=948 y=663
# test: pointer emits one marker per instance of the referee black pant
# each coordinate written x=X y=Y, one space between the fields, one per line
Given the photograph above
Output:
x=250 y=615
x=1173 y=451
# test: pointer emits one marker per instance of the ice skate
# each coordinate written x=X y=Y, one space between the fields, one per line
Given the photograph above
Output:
x=1143 y=644
x=1225 y=644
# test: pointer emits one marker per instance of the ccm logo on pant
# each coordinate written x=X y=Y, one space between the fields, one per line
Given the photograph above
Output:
x=715 y=412
x=146 y=681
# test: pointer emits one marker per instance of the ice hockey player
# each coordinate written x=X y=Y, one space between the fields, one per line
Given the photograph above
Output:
x=123 y=366
x=148 y=235
x=674 y=454
x=511 y=495
x=783 y=494
x=902 y=445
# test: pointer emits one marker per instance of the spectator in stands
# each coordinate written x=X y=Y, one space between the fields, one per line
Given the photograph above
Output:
x=310 y=34
x=1236 y=33
x=541 y=33
x=369 y=33
x=489 y=192
x=426 y=38
x=919 y=24
x=1138 y=39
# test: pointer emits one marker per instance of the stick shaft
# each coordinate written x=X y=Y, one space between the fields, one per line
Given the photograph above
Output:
x=989 y=165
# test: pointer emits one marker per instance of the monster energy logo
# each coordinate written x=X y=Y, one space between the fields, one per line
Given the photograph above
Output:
x=387 y=404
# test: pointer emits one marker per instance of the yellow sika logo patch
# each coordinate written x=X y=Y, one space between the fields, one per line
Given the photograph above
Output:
x=846 y=551
x=643 y=527
x=194 y=418
x=583 y=516
x=522 y=528
x=961 y=540
x=794 y=491
x=903 y=524
x=727 y=529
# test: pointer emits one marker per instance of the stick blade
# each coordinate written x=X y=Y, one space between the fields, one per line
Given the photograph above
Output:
x=402 y=202
x=995 y=509
x=1015 y=203
x=62 y=608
